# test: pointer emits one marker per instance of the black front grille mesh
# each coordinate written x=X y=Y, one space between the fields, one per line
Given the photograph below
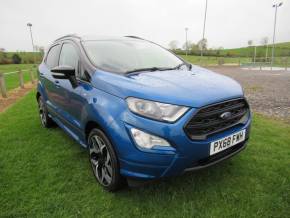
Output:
x=208 y=119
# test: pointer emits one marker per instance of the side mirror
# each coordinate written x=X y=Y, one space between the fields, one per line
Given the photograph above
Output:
x=65 y=72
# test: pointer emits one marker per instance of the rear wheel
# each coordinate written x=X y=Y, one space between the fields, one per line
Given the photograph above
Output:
x=104 y=161
x=46 y=121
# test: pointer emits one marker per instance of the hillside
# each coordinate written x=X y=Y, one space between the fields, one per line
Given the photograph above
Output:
x=283 y=45
x=281 y=49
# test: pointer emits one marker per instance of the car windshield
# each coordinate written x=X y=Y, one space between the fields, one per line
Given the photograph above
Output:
x=123 y=56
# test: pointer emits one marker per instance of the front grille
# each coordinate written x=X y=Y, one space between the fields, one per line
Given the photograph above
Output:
x=208 y=120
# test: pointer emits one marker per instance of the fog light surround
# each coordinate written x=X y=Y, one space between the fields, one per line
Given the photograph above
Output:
x=146 y=140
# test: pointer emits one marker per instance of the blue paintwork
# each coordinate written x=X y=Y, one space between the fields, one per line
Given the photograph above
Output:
x=103 y=102
x=194 y=88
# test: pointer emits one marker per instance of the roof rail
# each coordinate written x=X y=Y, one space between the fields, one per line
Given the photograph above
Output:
x=134 y=37
x=69 y=35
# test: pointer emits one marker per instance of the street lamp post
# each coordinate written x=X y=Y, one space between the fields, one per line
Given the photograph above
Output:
x=255 y=54
x=274 y=32
x=203 y=32
x=30 y=26
x=267 y=52
x=186 y=45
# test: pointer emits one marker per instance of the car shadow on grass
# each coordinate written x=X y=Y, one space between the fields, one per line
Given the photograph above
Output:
x=196 y=182
x=196 y=179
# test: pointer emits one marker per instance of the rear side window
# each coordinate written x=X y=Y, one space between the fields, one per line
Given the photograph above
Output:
x=52 y=57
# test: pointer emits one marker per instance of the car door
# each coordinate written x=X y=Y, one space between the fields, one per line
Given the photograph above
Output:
x=76 y=96
x=54 y=97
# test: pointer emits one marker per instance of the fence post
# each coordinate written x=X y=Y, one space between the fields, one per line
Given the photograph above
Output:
x=20 y=75
x=31 y=75
x=286 y=64
x=3 y=86
x=239 y=61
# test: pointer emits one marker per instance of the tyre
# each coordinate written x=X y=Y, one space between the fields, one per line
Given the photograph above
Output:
x=104 y=161
x=46 y=121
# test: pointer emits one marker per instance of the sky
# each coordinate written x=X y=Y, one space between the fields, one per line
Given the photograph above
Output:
x=230 y=23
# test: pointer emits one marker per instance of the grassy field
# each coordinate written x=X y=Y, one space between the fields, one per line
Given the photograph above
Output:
x=283 y=45
x=12 y=80
x=43 y=173
x=210 y=60
x=5 y=68
x=213 y=60
x=281 y=49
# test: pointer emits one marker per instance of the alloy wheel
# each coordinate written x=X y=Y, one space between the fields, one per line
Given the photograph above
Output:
x=101 y=160
x=42 y=114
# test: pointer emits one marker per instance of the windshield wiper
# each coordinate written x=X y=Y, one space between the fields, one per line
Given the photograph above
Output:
x=179 y=65
x=150 y=69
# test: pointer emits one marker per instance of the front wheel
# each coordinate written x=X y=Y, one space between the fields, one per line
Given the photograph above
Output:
x=104 y=161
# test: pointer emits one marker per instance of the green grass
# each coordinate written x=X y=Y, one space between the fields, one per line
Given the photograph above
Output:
x=44 y=173
x=281 y=49
x=260 y=51
x=283 y=45
x=213 y=60
x=12 y=80
x=5 y=68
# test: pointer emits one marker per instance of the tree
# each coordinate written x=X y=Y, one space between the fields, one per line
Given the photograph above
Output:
x=202 y=44
x=189 y=43
x=250 y=43
x=16 y=59
x=218 y=51
x=193 y=47
x=173 y=45
x=2 y=58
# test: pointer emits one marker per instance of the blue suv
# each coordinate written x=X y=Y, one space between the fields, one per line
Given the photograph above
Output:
x=142 y=112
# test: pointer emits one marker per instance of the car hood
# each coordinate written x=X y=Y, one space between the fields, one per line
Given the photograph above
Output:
x=194 y=88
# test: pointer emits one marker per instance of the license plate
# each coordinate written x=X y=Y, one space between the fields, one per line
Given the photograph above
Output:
x=227 y=142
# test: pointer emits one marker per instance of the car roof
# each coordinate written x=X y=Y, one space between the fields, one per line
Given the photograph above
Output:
x=96 y=37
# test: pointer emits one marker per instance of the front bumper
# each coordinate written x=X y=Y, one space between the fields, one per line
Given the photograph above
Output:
x=186 y=155
x=206 y=162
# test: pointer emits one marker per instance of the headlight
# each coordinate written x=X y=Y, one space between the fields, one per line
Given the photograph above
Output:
x=156 y=110
x=145 y=140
